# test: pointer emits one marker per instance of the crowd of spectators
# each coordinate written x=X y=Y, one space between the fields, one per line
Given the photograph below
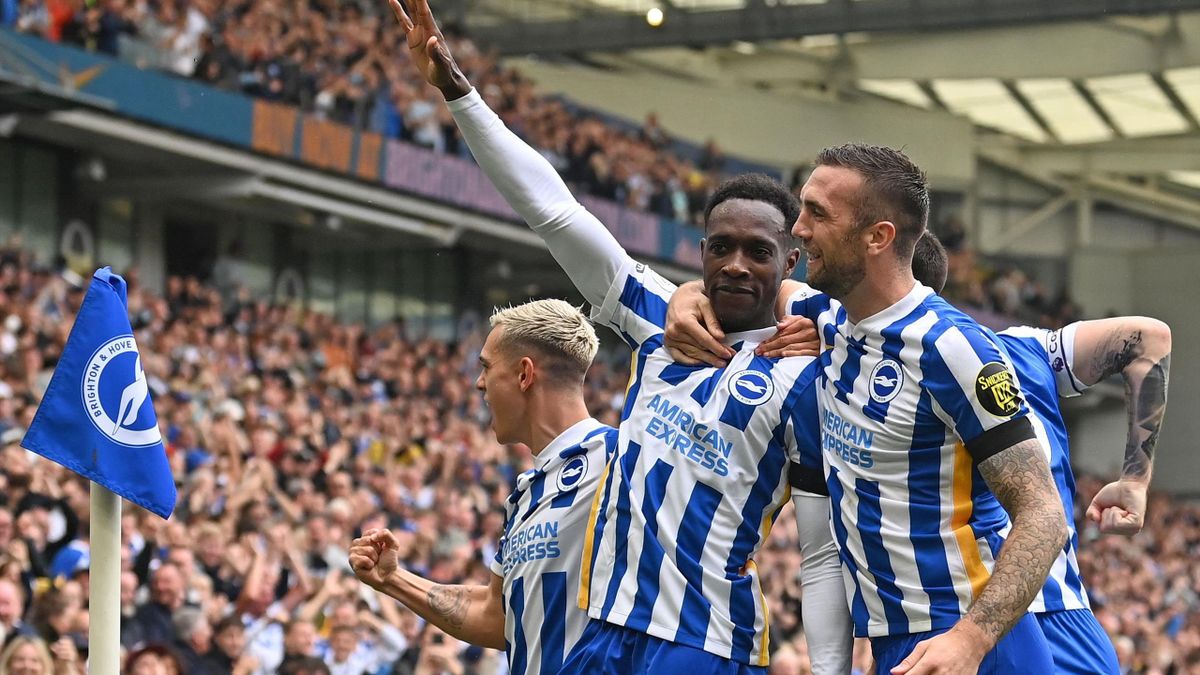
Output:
x=289 y=433
x=348 y=62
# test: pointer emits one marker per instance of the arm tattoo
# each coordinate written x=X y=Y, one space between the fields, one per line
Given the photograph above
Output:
x=1128 y=353
x=1147 y=400
x=450 y=602
x=1120 y=351
x=1020 y=478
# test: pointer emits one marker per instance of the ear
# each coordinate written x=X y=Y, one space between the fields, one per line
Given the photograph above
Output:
x=789 y=266
x=880 y=237
x=703 y=245
x=527 y=373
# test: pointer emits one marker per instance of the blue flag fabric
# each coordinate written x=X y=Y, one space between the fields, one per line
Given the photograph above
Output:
x=97 y=418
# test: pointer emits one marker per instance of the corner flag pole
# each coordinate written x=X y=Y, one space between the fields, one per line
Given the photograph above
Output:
x=104 y=589
x=97 y=419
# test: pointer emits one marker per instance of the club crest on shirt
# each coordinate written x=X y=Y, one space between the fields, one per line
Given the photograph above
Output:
x=572 y=472
x=997 y=391
x=886 y=381
x=751 y=387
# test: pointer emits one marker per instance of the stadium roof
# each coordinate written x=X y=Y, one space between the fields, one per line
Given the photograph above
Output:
x=1070 y=87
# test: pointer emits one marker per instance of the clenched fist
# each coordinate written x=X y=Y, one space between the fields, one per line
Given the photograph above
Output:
x=374 y=557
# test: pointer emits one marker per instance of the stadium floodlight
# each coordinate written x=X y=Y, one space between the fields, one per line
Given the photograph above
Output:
x=655 y=16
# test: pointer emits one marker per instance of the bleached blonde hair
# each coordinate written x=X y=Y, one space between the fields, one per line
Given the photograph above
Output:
x=558 y=332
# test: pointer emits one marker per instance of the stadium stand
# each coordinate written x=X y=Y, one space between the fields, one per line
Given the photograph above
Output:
x=289 y=433
x=335 y=62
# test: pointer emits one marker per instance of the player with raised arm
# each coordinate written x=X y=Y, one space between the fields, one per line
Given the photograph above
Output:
x=533 y=364
x=699 y=474
x=929 y=452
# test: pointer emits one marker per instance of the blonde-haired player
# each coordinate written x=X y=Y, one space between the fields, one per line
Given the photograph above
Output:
x=533 y=364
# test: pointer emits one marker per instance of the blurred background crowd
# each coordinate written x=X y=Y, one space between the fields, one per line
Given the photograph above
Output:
x=289 y=433
x=349 y=63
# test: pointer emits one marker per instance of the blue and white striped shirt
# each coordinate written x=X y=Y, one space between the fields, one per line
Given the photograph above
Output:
x=699 y=474
x=697 y=481
x=539 y=553
x=902 y=396
x=1044 y=361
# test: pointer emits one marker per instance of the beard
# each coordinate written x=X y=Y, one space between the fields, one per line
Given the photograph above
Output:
x=838 y=278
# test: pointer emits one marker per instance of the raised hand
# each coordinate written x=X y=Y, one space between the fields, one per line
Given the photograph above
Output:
x=428 y=50
x=374 y=557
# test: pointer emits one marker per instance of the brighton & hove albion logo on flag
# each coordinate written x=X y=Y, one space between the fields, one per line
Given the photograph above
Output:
x=97 y=418
x=116 y=396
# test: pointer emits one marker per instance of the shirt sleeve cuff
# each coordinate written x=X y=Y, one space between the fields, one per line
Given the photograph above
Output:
x=463 y=102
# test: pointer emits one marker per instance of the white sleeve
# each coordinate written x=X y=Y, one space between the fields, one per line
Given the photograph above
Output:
x=1059 y=346
x=583 y=247
x=824 y=610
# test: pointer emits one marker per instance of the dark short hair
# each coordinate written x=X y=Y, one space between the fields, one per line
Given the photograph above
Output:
x=231 y=621
x=930 y=264
x=757 y=187
x=305 y=665
x=895 y=189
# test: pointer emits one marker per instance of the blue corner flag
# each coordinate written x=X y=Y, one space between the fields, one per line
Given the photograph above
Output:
x=97 y=418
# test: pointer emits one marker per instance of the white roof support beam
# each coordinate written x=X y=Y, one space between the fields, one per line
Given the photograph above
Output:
x=783 y=130
x=1075 y=50
x=1088 y=97
x=1147 y=201
x=1176 y=102
x=1014 y=91
x=1124 y=157
x=1028 y=223
x=758 y=21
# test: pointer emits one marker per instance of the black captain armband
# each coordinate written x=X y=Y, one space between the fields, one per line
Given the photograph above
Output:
x=804 y=478
x=999 y=438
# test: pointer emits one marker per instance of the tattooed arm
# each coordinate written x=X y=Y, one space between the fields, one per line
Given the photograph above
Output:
x=1020 y=478
x=473 y=614
x=1139 y=349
